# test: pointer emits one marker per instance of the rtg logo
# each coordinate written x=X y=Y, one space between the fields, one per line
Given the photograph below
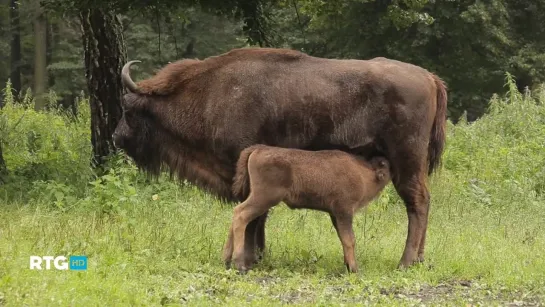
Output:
x=76 y=263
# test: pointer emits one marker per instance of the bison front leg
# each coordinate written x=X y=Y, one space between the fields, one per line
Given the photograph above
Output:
x=250 y=244
x=260 y=236
x=228 y=248
x=412 y=188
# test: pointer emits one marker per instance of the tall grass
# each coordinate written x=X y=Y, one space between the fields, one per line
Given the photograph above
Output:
x=160 y=243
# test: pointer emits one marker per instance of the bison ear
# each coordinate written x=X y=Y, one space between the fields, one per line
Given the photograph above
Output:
x=134 y=101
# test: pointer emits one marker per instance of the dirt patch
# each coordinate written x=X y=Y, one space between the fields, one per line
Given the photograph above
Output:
x=469 y=292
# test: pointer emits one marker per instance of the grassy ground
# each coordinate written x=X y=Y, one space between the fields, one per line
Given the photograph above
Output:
x=168 y=252
x=156 y=243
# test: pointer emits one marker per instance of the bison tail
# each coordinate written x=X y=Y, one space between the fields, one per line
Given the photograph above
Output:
x=241 y=181
x=438 y=130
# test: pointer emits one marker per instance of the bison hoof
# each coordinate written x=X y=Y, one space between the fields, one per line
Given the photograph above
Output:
x=258 y=257
x=402 y=266
x=242 y=270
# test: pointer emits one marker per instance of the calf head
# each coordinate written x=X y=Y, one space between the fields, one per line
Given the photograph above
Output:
x=381 y=166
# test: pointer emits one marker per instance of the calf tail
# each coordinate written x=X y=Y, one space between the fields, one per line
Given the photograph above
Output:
x=438 y=134
x=241 y=181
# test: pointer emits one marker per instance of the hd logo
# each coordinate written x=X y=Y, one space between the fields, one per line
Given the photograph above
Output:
x=76 y=263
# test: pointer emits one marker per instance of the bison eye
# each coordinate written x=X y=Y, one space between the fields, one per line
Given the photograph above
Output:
x=128 y=117
x=128 y=113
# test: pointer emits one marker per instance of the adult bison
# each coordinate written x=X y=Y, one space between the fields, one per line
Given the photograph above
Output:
x=195 y=117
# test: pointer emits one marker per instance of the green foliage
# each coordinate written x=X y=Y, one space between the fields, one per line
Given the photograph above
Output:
x=46 y=146
x=503 y=150
x=115 y=191
x=184 y=33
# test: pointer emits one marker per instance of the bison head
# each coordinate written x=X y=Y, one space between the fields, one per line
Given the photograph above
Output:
x=136 y=132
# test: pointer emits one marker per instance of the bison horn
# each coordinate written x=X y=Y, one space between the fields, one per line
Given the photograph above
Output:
x=126 y=78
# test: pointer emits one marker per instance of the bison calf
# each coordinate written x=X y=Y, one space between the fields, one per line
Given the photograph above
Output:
x=330 y=180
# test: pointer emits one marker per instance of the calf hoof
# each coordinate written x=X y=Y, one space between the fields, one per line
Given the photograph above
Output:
x=402 y=266
x=227 y=265
x=352 y=269
x=242 y=266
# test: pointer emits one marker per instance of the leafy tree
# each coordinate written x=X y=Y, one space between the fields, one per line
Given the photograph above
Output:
x=528 y=25
x=469 y=44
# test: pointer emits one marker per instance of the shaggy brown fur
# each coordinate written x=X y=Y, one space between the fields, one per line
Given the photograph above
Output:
x=195 y=117
x=330 y=180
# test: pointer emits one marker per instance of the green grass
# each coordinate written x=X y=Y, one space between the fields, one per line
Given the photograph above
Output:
x=486 y=236
x=169 y=251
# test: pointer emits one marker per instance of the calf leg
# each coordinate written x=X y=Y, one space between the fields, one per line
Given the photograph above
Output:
x=249 y=245
x=343 y=224
x=247 y=211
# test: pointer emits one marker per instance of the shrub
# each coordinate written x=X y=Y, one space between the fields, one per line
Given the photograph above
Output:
x=44 y=146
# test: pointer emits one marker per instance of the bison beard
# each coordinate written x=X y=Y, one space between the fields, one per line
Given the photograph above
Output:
x=195 y=117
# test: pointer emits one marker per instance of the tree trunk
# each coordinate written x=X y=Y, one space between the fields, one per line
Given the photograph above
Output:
x=51 y=34
x=105 y=55
x=40 y=56
x=15 y=75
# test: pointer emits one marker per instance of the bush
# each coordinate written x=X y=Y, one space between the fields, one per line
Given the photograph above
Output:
x=499 y=159
x=44 y=146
